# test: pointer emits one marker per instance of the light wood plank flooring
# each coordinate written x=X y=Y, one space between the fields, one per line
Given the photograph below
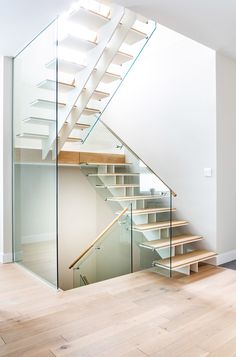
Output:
x=141 y=314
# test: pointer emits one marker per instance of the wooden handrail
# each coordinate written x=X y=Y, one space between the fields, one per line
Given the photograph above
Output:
x=98 y=237
x=173 y=193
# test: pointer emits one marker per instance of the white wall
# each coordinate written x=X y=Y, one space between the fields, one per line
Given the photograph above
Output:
x=5 y=159
x=1 y=159
x=226 y=162
x=83 y=214
x=166 y=111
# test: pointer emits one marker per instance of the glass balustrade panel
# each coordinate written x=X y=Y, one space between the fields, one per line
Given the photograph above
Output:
x=35 y=177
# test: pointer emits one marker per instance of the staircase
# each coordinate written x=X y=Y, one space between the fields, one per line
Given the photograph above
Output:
x=94 y=49
x=153 y=217
x=72 y=77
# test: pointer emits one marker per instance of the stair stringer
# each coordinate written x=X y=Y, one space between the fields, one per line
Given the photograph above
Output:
x=146 y=236
x=146 y=258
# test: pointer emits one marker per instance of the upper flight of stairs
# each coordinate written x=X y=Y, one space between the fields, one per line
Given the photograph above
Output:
x=92 y=58
x=151 y=215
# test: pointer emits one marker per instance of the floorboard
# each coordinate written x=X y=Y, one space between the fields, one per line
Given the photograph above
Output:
x=141 y=314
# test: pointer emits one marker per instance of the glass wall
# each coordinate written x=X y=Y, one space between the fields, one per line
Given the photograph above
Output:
x=35 y=179
x=63 y=81
x=110 y=255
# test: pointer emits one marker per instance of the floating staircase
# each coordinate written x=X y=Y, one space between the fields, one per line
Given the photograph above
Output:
x=66 y=101
x=97 y=44
x=160 y=230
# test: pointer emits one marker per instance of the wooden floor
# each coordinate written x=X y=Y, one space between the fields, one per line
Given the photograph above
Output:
x=136 y=315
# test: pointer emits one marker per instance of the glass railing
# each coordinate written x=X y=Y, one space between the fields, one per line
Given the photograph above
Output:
x=109 y=256
x=129 y=182
x=65 y=78
x=87 y=77
x=35 y=179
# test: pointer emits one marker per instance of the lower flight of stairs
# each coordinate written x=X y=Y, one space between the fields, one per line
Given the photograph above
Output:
x=122 y=186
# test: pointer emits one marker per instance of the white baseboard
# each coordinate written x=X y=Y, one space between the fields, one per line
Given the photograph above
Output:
x=5 y=258
x=226 y=257
x=36 y=238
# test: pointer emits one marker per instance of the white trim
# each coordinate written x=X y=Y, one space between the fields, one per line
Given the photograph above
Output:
x=36 y=238
x=5 y=258
x=38 y=277
x=226 y=257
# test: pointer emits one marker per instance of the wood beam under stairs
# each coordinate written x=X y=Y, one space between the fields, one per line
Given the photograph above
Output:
x=68 y=157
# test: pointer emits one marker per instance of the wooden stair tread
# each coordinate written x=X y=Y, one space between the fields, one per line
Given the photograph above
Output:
x=71 y=139
x=62 y=104
x=73 y=67
x=152 y=210
x=125 y=54
x=159 y=225
x=110 y=77
x=89 y=18
x=134 y=36
x=80 y=126
x=117 y=186
x=115 y=174
x=38 y=120
x=183 y=260
x=134 y=198
x=92 y=110
x=47 y=121
x=175 y=240
x=65 y=66
x=74 y=42
x=122 y=57
x=104 y=164
x=94 y=20
x=32 y=136
x=51 y=84
x=99 y=95
x=46 y=102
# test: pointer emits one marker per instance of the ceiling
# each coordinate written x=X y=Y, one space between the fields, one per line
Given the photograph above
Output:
x=211 y=22
x=22 y=20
